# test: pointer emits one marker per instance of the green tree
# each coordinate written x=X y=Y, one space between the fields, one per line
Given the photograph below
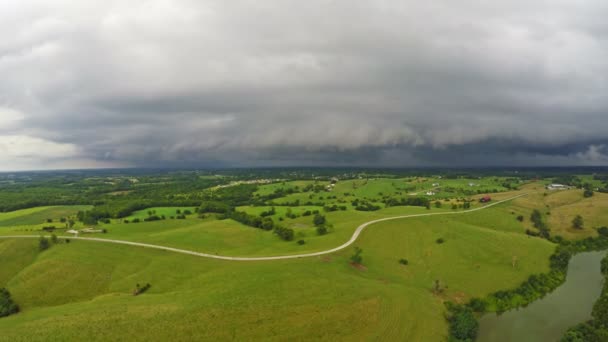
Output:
x=356 y=258
x=578 y=222
x=267 y=223
x=463 y=325
x=319 y=220
x=43 y=243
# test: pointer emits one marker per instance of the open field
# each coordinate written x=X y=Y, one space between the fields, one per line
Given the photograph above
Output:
x=77 y=290
x=331 y=294
x=38 y=216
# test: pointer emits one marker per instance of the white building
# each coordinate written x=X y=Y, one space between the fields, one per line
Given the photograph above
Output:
x=557 y=187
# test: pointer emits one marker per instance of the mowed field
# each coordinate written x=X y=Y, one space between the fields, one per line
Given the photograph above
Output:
x=321 y=298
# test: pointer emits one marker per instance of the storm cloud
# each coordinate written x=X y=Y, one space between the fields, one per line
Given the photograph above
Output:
x=270 y=83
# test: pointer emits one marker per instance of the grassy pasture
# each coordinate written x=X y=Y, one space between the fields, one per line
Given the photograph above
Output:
x=39 y=215
x=320 y=298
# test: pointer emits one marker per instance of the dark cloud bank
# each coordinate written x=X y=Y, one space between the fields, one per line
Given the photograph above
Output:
x=328 y=83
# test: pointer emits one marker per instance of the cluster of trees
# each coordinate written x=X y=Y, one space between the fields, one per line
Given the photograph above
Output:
x=214 y=207
x=321 y=223
x=408 y=201
x=7 y=305
x=45 y=243
x=538 y=223
x=265 y=223
x=246 y=219
x=364 y=205
x=270 y=212
x=334 y=207
x=286 y=234
x=462 y=322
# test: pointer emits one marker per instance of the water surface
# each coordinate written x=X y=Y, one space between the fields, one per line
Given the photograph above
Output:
x=548 y=319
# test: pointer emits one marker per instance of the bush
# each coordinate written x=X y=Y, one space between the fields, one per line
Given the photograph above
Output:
x=520 y=218
x=43 y=243
x=141 y=289
x=578 y=222
x=322 y=230
x=7 y=305
x=301 y=242
x=440 y=240
x=403 y=261
x=356 y=258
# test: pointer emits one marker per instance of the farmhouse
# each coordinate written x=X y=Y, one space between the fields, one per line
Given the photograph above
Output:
x=430 y=193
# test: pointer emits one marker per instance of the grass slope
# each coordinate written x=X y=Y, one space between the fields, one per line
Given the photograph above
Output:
x=38 y=215
x=82 y=290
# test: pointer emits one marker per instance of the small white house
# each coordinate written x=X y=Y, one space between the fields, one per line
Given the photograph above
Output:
x=435 y=184
x=430 y=193
x=72 y=231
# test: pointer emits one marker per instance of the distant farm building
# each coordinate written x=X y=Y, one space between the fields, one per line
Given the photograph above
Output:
x=557 y=187
x=485 y=199
x=430 y=193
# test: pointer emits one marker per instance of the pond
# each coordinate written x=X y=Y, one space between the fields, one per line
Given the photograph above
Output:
x=547 y=319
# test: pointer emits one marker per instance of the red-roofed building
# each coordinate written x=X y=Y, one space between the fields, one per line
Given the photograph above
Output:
x=485 y=199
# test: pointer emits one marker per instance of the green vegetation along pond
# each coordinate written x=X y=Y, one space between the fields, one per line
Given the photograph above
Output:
x=548 y=319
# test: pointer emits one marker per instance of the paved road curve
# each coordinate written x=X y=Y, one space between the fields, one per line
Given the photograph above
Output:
x=280 y=257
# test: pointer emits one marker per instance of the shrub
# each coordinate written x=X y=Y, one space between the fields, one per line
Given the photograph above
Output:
x=322 y=230
x=440 y=240
x=356 y=258
x=43 y=243
x=403 y=261
x=301 y=242
x=7 y=305
x=141 y=289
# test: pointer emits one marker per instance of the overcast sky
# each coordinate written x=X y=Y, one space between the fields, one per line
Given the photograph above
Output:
x=196 y=83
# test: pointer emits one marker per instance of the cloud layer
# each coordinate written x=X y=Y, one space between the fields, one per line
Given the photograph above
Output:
x=235 y=83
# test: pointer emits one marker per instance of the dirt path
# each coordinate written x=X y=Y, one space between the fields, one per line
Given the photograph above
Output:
x=280 y=257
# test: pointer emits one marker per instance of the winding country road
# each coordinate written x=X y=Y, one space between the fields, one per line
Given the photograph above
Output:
x=280 y=257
